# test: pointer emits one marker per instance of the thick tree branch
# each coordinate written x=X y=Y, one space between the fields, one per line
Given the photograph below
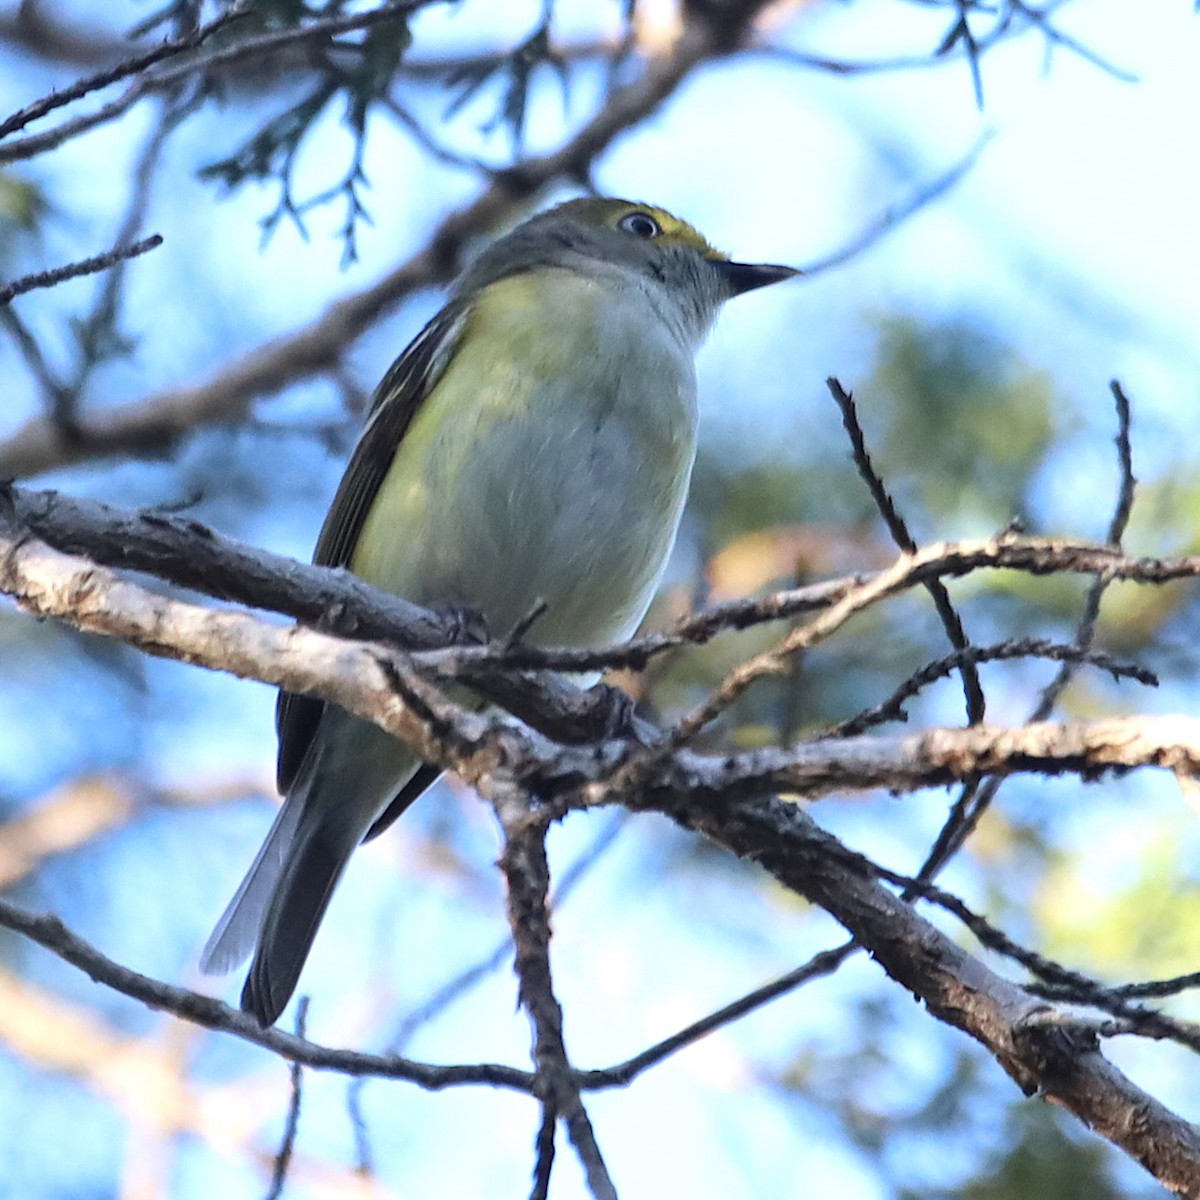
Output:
x=185 y=552
x=1043 y=1053
x=386 y=686
x=360 y=675
x=729 y=799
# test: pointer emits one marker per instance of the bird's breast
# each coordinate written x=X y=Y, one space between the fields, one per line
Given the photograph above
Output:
x=550 y=463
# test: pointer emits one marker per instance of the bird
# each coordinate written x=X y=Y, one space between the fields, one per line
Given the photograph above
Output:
x=532 y=446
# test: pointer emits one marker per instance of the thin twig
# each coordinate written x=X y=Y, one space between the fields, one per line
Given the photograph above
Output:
x=543 y=1157
x=122 y=70
x=897 y=214
x=151 y=81
x=1040 y=19
x=527 y=874
x=85 y=266
x=291 y=1125
x=98 y=331
x=1054 y=981
x=904 y=540
x=31 y=351
x=817 y=967
x=969 y=810
x=209 y=1013
x=462 y=983
x=892 y=709
x=961 y=33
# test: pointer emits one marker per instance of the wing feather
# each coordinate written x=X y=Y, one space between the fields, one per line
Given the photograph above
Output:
x=395 y=403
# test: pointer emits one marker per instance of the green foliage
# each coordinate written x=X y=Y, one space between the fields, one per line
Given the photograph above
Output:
x=23 y=208
x=729 y=498
x=1040 y=1159
x=23 y=205
x=968 y=421
x=1146 y=924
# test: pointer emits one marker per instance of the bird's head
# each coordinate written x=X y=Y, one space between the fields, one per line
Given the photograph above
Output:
x=625 y=243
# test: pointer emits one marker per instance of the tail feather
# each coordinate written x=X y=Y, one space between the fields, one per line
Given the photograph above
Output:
x=301 y=896
x=350 y=775
x=236 y=932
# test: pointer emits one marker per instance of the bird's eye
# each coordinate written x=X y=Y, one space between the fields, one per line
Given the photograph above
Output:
x=640 y=224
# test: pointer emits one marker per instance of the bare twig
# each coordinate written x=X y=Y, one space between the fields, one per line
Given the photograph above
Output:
x=31 y=351
x=1052 y=979
x=208 y=1013
x=97 y=335
x=970 y=808
x=464 y=981
x=1039 y=18
x=291 y=1125
x=774 y=660
x=961 y=34
x=1013 y=16
x=122 y=70
x=1085 y=632
x=897 y=214
x=151 y=80
x=898 y=528
x=85 y=266
x=892 y=709
x=624 y=1073
x=527 y=874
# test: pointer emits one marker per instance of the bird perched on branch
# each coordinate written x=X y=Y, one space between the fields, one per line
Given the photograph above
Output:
x=533 y=443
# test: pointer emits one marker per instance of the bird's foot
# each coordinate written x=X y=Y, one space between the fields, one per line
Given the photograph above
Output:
x=616 y=710
x=464 y=626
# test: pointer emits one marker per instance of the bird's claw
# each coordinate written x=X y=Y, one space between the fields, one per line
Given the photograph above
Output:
x=464 y=626
x=616 y=708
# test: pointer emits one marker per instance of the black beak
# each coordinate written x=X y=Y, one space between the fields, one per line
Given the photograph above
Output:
x=745 y=277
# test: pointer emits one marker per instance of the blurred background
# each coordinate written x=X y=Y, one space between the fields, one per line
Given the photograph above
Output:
x=1051 y=247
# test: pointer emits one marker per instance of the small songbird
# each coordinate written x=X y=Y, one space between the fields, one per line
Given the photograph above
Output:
x=533 y=443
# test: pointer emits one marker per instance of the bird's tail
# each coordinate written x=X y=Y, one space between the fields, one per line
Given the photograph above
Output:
x=315 y=861
x=276 y=911
x=231 y=942
x=350 y=775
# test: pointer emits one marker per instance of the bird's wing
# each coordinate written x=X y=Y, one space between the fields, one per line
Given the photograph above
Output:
x=400 y=393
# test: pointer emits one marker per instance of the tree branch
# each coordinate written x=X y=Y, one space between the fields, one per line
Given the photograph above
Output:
x=1057 y=1059
x=527 y=875
x=186 y=553
x=730 y=799
x=387 y=687
x=86 y=266
x=50 y=933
